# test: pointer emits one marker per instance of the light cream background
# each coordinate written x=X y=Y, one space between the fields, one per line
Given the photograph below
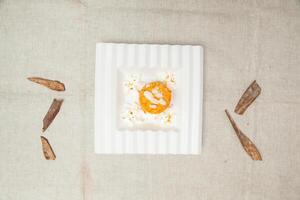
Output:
x=243 y=40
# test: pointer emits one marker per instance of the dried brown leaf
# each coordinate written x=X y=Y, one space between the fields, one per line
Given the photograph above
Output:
x=51 y=84
x=52 y=112
x=47 y=149
x=247 y=144
x=247 y=98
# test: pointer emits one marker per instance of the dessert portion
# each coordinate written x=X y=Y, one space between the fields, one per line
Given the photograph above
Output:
x=155 y=97
x=147 y=101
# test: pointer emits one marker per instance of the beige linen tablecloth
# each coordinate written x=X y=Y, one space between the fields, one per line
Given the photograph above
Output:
x=243 y=40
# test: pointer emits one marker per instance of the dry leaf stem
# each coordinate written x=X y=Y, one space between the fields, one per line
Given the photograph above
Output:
x=247 y=144
x=52 y=112
x=47 y=149
x=247 y=98
x=51 y=84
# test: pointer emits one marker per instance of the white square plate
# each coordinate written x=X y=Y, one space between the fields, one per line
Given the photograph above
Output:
x=112 y=61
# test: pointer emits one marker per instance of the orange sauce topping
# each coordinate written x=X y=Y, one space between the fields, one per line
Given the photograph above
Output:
x=155 y=97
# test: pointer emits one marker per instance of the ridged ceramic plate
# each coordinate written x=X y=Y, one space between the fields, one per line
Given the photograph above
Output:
x=113 y=62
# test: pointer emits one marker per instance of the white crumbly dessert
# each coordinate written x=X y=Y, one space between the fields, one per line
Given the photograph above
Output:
x=132 y=113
